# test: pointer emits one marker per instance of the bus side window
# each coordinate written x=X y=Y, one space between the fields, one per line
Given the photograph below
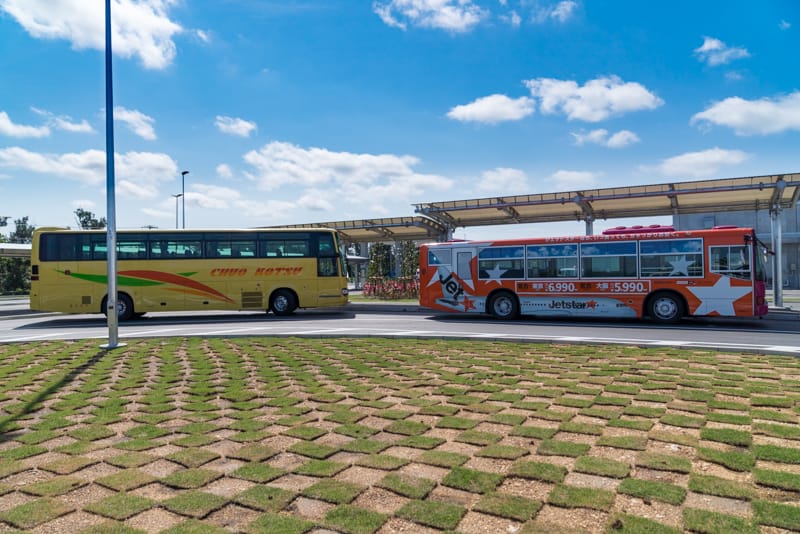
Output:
x=326 y=249
x=326 y=267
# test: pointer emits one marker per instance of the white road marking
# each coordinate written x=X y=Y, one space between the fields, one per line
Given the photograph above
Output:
x=149 y=332
x=234 y=330
x=321 y=331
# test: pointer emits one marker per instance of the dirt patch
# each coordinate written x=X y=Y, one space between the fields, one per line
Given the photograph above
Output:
x=719 y=504
x=228 y=487
x=154 y=520
x=655 y=510
x=571 y=519
x=530 y=489
x=424 y=471
x=310 y=508
x=362 y=476
x=582 y=480
x=453 y=496
x=156 y=492
x=233 y=517
x=478 y=523
x=380 y=500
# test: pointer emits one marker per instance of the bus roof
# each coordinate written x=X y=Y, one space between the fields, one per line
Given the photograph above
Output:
x=619 y=233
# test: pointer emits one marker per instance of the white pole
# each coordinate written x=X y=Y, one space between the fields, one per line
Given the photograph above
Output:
x=183 y=197
x=111 y=229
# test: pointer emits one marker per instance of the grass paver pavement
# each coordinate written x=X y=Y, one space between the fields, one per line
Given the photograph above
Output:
x=535 y=435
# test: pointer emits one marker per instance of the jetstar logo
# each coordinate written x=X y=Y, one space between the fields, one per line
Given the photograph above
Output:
x=572 y=305
x=450 y=287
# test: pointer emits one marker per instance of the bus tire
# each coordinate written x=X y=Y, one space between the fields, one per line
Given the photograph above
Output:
x=503 y=305
x=665 y=307
x=283 y=302
x=125 y=310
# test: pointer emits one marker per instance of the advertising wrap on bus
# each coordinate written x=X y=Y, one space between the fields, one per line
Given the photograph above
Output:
x=657 y=272
x=180 y=270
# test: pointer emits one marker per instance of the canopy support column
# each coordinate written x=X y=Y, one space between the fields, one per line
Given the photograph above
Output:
x=777 y=258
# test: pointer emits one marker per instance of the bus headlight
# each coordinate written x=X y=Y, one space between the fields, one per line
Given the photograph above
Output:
x=345 y=291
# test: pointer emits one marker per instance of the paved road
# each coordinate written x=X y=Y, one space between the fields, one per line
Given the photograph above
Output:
x=779 y=334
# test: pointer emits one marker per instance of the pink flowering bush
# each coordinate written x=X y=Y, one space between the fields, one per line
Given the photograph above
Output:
x=391 y=288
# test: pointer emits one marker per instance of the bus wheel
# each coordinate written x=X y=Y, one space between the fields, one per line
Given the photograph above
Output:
x=124 y=307
x=283 y=302
x=665 y=307
x=503 y=305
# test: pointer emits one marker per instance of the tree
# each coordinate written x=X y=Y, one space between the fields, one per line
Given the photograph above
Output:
x=409 y=259
x=87 y=220
x=23 y=232
x=380 y=261
x=15 y=272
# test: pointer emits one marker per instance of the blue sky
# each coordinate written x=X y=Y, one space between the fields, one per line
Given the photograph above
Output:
x=298 y=111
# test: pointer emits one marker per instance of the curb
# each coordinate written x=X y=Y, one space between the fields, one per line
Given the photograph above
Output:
x=779 y=314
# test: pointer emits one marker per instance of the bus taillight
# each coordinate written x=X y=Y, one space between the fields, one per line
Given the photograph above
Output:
x=34 y=272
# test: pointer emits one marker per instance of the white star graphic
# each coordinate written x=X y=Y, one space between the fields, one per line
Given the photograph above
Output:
x=680 y=266
x=495 y=274
x=437 y=276
x=719 y=297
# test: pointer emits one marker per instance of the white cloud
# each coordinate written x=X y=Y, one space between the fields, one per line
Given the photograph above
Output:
x=572 y=180
x=622 y=139
x=449 y=15
x=212 y=196
x=734 y=76
x=224 y=171
x=137 y=122
x=64 y=122
x=784 y=25
x=600 y=137
x=83 y=203
x=703 y=164
x=315 y=200
x=714 y=52
x=271 y=210
x=594 y=101
x=513 y=19
x=561 y=12
x=364 y=180
x=88 y=167
x=9 y=128
x=235 y=126
x=165 y=211
x=503 y=181
x=754 y=117
x=493 y=109
x=138 y=173
x=141 y=28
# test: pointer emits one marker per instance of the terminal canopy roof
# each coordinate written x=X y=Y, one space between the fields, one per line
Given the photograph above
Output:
x=731 y=194
x=388 y=229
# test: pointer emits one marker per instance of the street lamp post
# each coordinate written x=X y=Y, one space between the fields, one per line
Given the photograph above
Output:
x=183 y=193
x=177 y=196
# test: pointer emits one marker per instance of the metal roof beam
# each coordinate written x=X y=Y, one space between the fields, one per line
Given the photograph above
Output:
x=777 y=194
x=585 y=205
x=508 y=210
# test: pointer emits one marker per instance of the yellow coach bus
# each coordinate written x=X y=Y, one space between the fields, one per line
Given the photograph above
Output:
x=181 y=270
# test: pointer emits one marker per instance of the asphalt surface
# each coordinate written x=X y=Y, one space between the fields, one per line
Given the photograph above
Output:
x=10 y=307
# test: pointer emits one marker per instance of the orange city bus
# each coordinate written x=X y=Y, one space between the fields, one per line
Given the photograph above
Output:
x=276 y=270
x=654 y=272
